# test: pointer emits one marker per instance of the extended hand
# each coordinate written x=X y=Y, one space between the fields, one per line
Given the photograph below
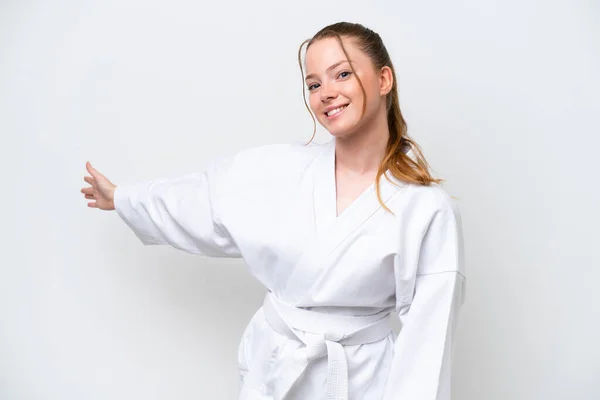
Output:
x=102 y=190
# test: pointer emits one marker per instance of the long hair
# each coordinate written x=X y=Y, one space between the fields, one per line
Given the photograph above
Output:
x=396 y=159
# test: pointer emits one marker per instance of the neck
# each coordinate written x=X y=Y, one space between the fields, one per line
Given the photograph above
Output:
x=362 y=153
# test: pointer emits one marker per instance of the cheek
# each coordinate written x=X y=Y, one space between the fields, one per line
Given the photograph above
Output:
x=355 y=93
x=371 y=88
x=373 y=99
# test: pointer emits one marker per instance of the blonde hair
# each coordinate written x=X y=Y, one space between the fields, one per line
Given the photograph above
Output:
x=396 y=159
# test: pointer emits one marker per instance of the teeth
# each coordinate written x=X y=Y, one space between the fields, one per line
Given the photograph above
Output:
x=335 y=111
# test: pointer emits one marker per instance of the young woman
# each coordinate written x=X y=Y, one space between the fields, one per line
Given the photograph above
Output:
x=341 y=234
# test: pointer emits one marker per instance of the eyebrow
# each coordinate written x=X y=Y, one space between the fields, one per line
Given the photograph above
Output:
x=328 y=69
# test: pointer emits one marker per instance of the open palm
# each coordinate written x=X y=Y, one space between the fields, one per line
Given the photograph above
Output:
x=102 y=191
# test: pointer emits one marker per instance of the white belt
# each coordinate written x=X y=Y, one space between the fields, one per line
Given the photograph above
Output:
x=334 y=331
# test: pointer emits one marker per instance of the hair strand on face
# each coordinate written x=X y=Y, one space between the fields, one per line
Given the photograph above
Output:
x=304 y=92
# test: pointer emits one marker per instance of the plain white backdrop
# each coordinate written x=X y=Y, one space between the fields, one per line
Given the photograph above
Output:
x=502 y=96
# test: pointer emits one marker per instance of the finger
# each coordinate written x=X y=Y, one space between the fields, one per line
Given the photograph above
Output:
x=87 y=190
x=92 y=170
x=92 y=204
x=89 y=196
x=90 y=180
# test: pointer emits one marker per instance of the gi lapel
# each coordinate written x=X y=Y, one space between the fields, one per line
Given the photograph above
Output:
x=324 y=199
x=330 y=229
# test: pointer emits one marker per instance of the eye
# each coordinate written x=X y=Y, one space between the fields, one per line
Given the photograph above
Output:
x=342 y=75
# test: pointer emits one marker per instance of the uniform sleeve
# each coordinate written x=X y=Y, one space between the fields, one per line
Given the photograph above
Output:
x=421 y=367
x=183 y=212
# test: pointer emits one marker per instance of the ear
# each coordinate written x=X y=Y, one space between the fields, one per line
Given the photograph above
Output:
x=386 y=80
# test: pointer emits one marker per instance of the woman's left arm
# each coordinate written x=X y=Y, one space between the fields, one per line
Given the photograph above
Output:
x=421 y=368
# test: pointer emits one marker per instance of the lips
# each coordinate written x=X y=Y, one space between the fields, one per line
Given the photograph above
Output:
x=333 y=111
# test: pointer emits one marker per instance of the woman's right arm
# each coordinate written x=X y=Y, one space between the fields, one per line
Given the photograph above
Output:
x=181 y=212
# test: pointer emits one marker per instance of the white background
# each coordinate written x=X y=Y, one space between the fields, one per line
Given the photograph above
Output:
x=502 y=96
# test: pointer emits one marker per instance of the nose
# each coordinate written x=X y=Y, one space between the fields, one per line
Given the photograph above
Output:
x=327 y=92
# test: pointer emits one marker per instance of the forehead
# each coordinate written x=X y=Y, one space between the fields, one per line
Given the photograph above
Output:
x=325 y=52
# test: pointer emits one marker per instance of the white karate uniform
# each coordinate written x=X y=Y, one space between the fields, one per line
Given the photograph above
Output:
x=333 y=281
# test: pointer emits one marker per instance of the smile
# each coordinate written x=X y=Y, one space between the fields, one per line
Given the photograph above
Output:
x=336 y=111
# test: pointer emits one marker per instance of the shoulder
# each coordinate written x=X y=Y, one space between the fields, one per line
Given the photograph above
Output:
x=441 y=200
x=282 y=150
x=446 y=206
x=429 y=202
x=273 y=158
x=267 y=165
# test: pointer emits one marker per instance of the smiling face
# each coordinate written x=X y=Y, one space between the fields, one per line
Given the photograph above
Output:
x=335 y=95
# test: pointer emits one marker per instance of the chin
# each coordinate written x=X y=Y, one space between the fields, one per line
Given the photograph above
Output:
x=342 y=131
x=339 y=130
x=339 y=133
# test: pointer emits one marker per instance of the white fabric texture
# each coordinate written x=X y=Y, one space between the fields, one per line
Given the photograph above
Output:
x=275 y=206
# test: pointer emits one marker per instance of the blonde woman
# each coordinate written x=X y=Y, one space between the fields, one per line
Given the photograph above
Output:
x=341 y=235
